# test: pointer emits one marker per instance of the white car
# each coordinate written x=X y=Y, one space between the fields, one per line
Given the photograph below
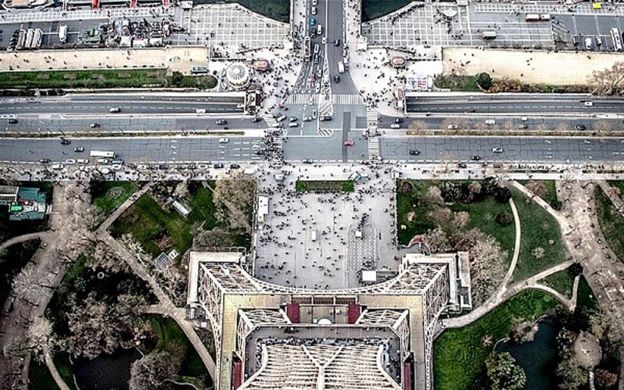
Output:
x=588 y=104
x=452 y=127
x=324 y=40
x=314 y=2
x=224 y=140
x=313 y=10
x=497 y=150
x=395 y=126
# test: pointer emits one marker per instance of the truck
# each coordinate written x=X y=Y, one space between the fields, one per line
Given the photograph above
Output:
x=490 y=34
x=102 y=153
x=341 y=67
x=63 y=33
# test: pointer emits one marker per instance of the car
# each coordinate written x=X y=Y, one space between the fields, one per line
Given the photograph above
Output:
x=324 y=40
x=307 y=161
x=490 y=122
x=588 y=104
x=398 y=120
x=281 y=118
x=12 y=121
x=255 y=119
x=348 y=142
x=313 y=10
x=82 y=161
x=497 y=149
x=114 y=109
x=325 y=118
x=292 y=119
x=336 y=79
x=461 y=165
x=217 y=166
x=523 y=126
x=44 y=160
x=94 y=125
x=293 y=124
x=65 y=141
x=234 y=166
x=476 y=158
x=452 y=127
x=336 y=42
x=79 y=149
x=224 y=140
x=312 y=21
x=221 y=122
x=258 y=152
x=200 y=110
x=240 y=105
x=395 y=126
x=314 y=2
x=414 y=152
x=580 y=127
x=117 y=162
x=589 y=43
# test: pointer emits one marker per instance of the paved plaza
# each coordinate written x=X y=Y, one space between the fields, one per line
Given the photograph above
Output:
x=230 y=26
x=323 y=241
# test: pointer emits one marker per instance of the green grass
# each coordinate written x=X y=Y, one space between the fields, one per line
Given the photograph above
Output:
x=560 y=281
x=459 y=354
x=39 y=377
x=101 y=78
x=611 y=223
x=147 y=222
x=539 y=229
x=618 y=184
x=170 y=336
x=372 y=9
x=482 y=216
x=112 y=194
x=61 y=361
x=457 y=83
x=324 y=186
x=275 y=9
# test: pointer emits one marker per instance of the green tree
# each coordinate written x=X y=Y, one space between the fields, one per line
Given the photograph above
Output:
x=503 y=373
x=483 y=80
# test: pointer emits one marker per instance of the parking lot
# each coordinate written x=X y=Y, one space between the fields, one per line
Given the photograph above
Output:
x=320 y=240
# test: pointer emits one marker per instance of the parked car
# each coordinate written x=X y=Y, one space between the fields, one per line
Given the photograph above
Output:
x=414 y=152
x=218 y=166
x=497 y=149
x=234 y=166
x=395 y=126
x=348 y=142
x=65 y=141
x=79 y=149
x=476 y=158
x=94 y=125
x=224 y=140
x=12 y=121
x=114 y=109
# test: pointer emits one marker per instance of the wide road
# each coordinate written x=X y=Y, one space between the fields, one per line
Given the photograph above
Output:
x=135 y=150
x=530 y=104
x=148 y=103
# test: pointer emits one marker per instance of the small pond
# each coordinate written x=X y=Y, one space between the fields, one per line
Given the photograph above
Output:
x=110 y=372
x=536 y=357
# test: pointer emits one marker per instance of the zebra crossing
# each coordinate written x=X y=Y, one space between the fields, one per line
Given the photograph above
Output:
x=347 y=99
x=373 y=148
x=371 y=118
x=325 y=132
x=302 y=98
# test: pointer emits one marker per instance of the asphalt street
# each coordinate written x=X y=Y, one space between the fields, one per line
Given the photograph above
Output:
x=521 y=103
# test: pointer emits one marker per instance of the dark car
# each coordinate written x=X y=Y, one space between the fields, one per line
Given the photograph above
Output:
x=12 y=121
x=580 y=127
x=234 y=166
x=462 y=165
x=44 y=160
x=476 y=158
x=79 y=149
x=414 y=152
x=217 y=166
x=336 y=42
x=65 y=141
x=307 y=161
x=255 y=119
x=336 y=79
x=221 y=122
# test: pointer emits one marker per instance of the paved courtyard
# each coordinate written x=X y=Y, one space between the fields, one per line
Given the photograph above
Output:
x=317 y=240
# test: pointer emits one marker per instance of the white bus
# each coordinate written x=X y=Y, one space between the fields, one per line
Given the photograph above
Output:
x=617 y=39
x=102 y=153
x=490 y=34
x=532 y=17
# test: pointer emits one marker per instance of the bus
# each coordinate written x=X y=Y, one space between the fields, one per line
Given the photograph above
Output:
x=491 y=34
x=102 y=153
x=532 y=18
x=199 y=70
x=617 y=39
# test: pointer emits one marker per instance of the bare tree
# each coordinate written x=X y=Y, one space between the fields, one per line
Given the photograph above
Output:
x=609 y=81
x=153 y=369
x=236 y=194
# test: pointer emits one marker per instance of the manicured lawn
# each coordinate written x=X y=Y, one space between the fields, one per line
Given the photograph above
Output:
x=148 y=222
x=457 y=83
x=372 y=9
x=618 y=184
x=324 y=186
x=459 y=354
x=101 y=78
x=482 y=216
x=39 y=377
x=61 y=361
x=111 y=194
x=275 y=9
x=170 y=336
x=539 y=230
x=611 y=223
x=561 y=281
